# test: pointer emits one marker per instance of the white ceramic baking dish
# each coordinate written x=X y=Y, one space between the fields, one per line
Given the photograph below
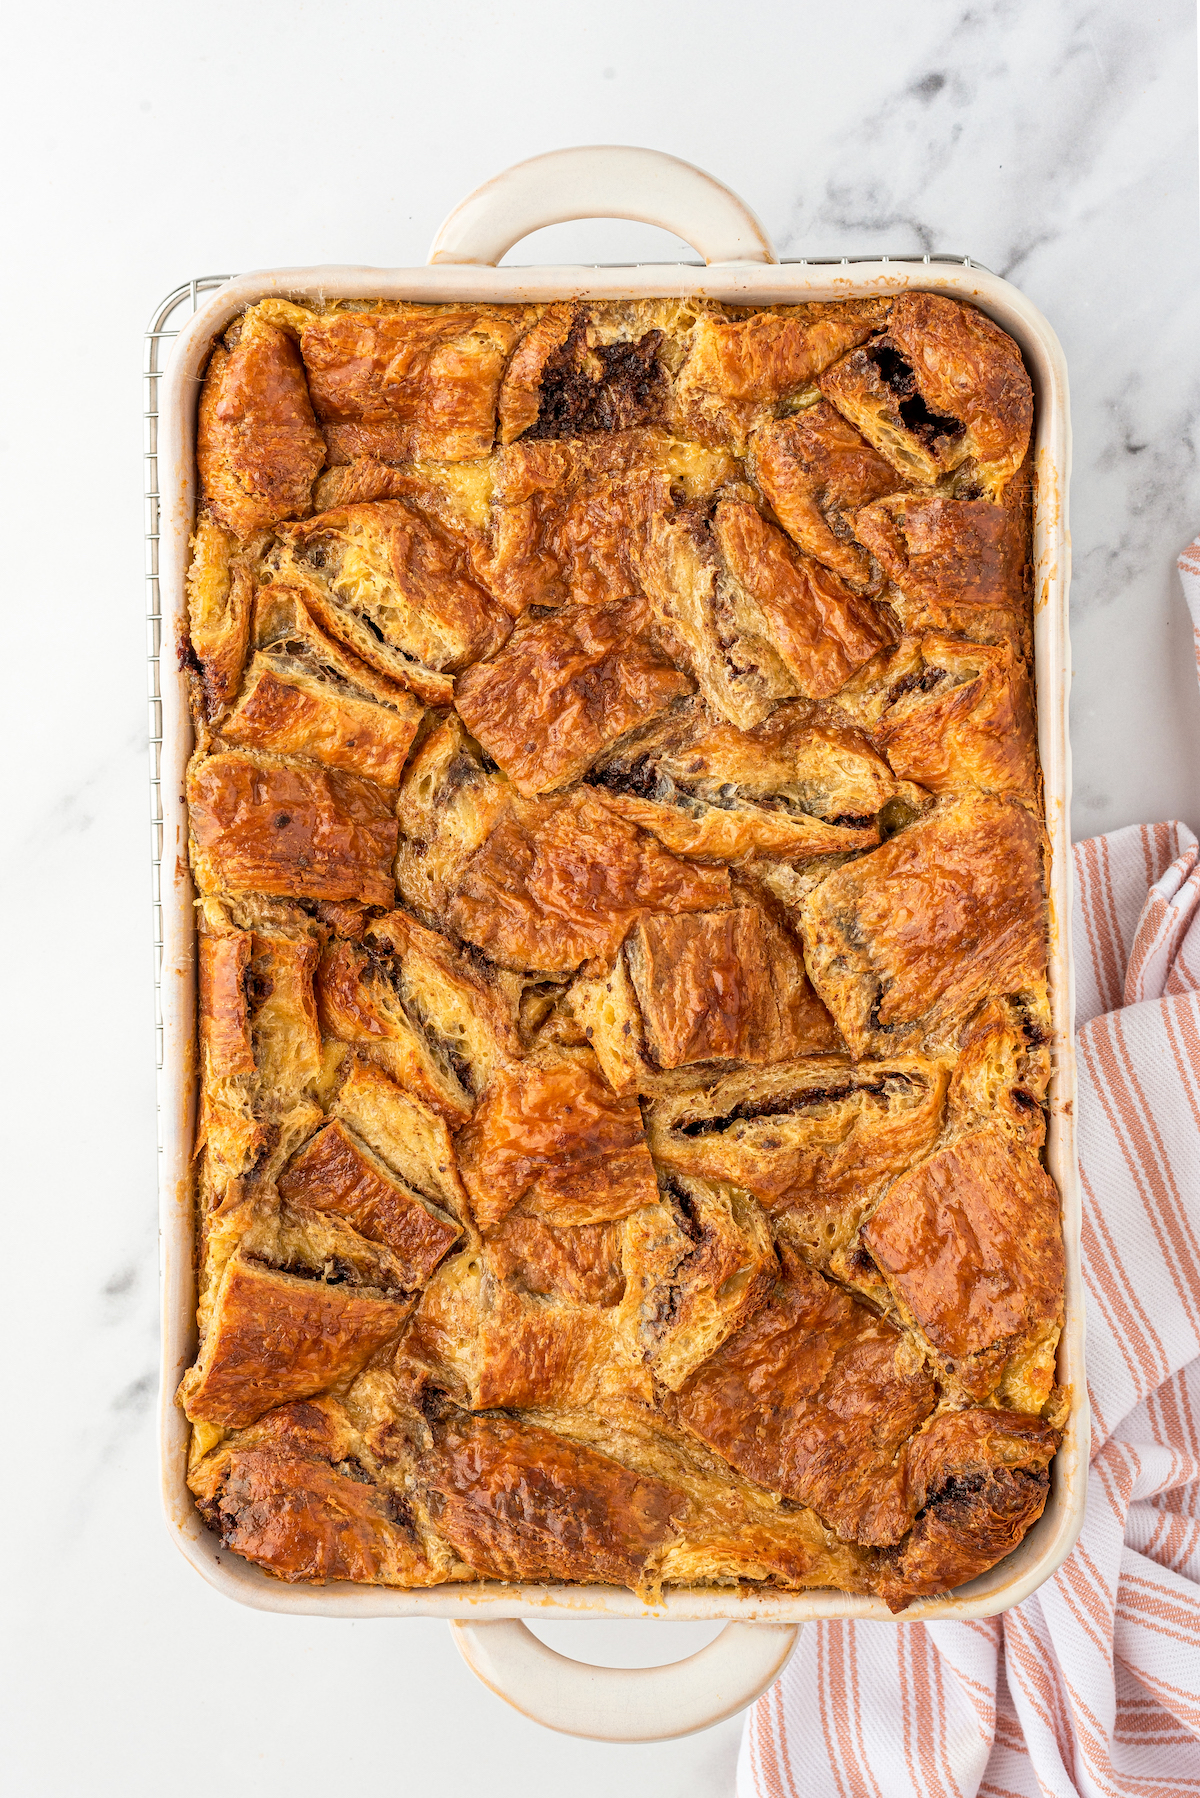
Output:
x=739 y=267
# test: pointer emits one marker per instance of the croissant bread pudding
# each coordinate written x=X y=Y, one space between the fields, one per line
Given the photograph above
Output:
x=624 y=1034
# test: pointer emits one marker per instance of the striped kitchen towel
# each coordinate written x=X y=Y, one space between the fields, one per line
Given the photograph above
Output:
x=1092 y=1686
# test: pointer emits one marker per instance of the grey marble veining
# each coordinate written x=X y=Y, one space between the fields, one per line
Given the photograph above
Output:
x=1054 y=143
x=1057 y=146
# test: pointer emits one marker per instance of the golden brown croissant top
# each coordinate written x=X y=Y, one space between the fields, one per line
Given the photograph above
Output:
x=624 y=1031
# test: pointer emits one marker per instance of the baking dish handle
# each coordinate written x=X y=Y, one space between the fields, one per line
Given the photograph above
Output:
x=602 y=181
x=626 y=1704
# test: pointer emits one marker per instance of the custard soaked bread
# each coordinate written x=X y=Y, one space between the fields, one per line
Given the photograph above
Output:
x=624 y=1029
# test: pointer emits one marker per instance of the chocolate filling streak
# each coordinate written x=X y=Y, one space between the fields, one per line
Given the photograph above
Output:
x=612 y=387
x=897 y=374
x=641 y=779
x=390 y=969
x=803 y=1100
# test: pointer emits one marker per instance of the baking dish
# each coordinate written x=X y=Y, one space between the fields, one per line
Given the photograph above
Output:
x=740 y=269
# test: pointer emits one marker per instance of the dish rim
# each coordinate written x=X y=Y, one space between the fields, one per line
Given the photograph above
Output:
x=1051 y=1538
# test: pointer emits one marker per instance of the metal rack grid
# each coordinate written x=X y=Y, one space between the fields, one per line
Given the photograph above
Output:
x=164 y=327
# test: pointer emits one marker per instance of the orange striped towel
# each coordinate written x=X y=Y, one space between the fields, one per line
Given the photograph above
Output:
x=1092 y=1686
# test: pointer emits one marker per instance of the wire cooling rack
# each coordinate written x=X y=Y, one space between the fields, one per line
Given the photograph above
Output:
x=165 y=325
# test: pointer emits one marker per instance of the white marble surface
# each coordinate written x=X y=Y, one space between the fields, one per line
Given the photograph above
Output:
x=145 y=143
